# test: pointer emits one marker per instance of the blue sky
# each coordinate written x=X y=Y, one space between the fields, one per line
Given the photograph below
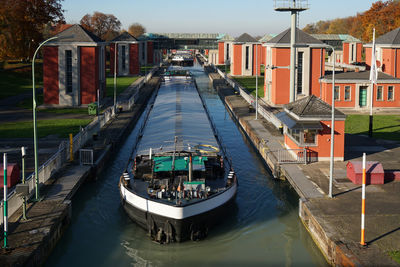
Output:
x=256 y=17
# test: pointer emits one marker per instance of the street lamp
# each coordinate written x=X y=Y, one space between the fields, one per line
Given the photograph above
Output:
x=332 y=124
x=115 y=74
x=256 y=81
x=34 y=118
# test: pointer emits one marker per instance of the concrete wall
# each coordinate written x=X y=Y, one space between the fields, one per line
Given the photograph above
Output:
x=112 y=57
x=73 y=98
x=50 y=75
x=213 y=57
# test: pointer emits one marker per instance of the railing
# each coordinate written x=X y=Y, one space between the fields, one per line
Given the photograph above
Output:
x=86 y=156
x=292 y=156
x=269 y=116
x=291 y=4
x=58 y=159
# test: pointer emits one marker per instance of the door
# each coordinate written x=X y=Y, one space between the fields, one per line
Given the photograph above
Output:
x=363 y=96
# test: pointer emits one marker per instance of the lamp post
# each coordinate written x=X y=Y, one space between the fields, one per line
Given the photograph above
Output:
x=115 y=74
x=256 y=81
x=34 y=118
x=332 y=124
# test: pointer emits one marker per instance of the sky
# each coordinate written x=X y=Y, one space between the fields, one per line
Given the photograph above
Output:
x=256 y=17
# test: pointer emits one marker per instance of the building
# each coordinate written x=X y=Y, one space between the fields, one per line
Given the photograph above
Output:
x=387 y=53
x=243 y=60
x=263 y=40
x=353 y=91
x=310 y=62
x=126 y=55
x=225 y=49
x=74 y=68
x=307 y=126
x=348 y=49
x=213 y=56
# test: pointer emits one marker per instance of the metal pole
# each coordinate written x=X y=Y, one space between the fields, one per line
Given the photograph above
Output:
x=34 y=119
x=256 y=81
x=370 y=127
x=332 y=126
x=5 y=207
x=293 y=55
x=364 y=174
x=23 y=152
x=115 y=74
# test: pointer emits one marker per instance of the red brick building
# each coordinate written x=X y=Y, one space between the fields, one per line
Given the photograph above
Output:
x=387 y=53
x=310 y=62
x=225 y=49
x=243 y=60
x=307 y=125
x=352 y=50
x=127 y=55
x=74 y=68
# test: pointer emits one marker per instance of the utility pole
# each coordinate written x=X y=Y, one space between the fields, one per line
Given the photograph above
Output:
x=294 y=7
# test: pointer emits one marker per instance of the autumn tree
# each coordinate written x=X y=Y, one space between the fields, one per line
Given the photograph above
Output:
x=22 y=24
x=106 y=26
x=136 y=29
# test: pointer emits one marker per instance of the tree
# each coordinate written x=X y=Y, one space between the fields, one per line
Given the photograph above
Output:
x=106 y=26
x=136 y=29
x=22 y=24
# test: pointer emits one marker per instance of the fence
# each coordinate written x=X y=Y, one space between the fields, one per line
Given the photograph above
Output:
x=268 y=115
x=288 y=156
x=57 y=160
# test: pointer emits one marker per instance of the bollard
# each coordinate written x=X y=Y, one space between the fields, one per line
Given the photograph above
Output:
x=5 y=207
x=363 y=203
x=23 y=152
x=71 y=148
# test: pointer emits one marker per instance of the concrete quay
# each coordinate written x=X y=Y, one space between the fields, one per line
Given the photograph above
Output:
x=31 y=241
x=334 y=224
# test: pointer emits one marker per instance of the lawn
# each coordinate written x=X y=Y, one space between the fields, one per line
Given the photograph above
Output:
x=15 y=82
x=61 y=128
x=145 y=69
x=250 y=84
x=122 y=84
x=395 y=255
x=385 y=126
x=222 y=68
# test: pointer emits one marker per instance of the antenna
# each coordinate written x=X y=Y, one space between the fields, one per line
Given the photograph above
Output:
x=294 y=7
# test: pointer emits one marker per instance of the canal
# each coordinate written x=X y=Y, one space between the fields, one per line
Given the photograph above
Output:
x=263 y=229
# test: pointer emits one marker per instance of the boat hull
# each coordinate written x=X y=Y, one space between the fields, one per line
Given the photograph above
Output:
x=176 y=228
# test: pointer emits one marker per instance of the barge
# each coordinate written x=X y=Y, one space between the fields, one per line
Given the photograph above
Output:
x=179 y=182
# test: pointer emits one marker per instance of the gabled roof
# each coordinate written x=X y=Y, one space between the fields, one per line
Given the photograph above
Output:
x=312 y=107
x=77 y=34
x=266 y=38
x=125 y=36
x=245 y=38
x=336 y=37
x=301 y=38
x=392 y=38
x=360 y=76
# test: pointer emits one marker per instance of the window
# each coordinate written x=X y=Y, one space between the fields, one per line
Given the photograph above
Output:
x=300 y=73
x=379 y=93
x=123 y=58
x=227 y=51
x=352 y=52
x=305 y=137
x=143 y=51
x=347 y=96
x=390 y=95
x=247 y=57
x=68 y=71
x=337 y=93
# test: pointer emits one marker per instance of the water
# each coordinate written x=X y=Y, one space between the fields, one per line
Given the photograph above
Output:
x=264 y=229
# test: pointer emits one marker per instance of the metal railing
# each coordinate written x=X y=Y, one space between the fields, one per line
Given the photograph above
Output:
x=86 y=156
x=291 y=4
x=269 y=116
x=292 y=156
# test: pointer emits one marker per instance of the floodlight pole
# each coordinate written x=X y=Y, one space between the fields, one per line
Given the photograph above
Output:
x=256 y=81
x=115 y=75
x=332 y=125
x=34 y=118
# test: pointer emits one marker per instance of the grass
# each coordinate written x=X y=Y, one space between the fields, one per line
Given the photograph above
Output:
x=15 y=82
x=61 y=128
x=222 y=68
x=250 y=84
x=395 y=255
x=122 y=84
x=385 y=126
x=145 y=69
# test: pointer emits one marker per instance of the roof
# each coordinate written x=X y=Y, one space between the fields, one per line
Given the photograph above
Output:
x=189 y=35
x=360 y=76
x=76 y=33
x=226 y=38
x=266 y=38
x=245 y=38
x=392 y=38
x=301 y=37
x=312 y=107
x=125 y=36
x=336 y=37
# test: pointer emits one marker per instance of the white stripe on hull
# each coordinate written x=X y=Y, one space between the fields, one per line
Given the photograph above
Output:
x=176 y=212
